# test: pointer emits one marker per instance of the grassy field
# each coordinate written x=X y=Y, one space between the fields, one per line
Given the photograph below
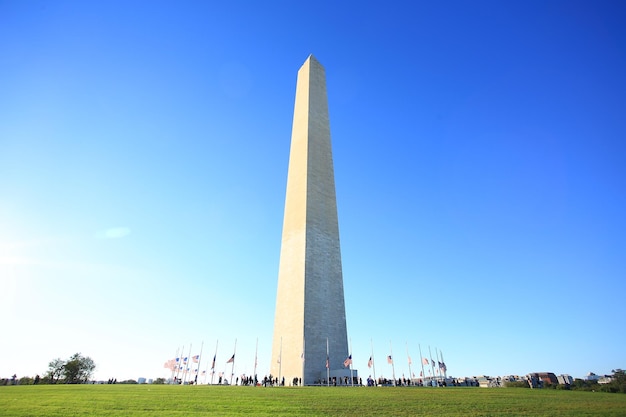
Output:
x=167 y=400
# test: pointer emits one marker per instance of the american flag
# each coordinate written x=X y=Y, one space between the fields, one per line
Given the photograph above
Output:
x=348 y=361
x=389 y=360
x=370 y=362
x=425 y=361
x=195 y=359
x=327 y=363
x=171 y=364
x=410 y=361
x=213 y=366
x=232 y=359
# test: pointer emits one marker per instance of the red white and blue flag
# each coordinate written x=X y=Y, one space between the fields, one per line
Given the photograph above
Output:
x=348 y=361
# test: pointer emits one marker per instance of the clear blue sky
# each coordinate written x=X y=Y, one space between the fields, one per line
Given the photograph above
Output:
x=480 y=162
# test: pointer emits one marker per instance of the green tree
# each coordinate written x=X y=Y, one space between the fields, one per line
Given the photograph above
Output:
x=26 y=380
x=128 y=381
x=584 y=385
x=78 y=369
x=55 y=370
x=516 y=384
x=618 y=382
x=619 y=376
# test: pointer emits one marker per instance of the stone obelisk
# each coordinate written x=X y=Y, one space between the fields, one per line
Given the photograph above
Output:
x=310 y=318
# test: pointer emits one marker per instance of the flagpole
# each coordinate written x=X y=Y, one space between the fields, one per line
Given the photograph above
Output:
x=174 y=369
x=232 y=368
x=303 y=359
x=393 y=368
x=280 y=360
x=213 y=365
x=327 y=365
x=256 y=351
x=409 y=360
x=432 y=363
x=199 y=361
x=373 y=361
x=438 y=367
x=180 y=362
x=186 y=371
x=351 y=378
x=442 y=365
x=445 y=368
x=422 y=362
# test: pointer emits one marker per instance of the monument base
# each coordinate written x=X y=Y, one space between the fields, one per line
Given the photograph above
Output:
x=339 y=377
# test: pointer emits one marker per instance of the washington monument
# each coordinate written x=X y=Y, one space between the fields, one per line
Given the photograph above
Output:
x=310 y=320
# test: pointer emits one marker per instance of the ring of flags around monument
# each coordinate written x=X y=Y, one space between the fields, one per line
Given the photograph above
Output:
x=182 y=367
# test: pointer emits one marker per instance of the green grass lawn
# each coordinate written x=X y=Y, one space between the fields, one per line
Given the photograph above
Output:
x=169 y=400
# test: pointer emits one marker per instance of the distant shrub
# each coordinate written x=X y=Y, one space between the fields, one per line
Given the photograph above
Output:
x=516 y=384
x=584 y=385
x=26 y=380
x=616 y=385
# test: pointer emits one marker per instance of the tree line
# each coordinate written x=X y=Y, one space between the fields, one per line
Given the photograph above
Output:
x=77 y=369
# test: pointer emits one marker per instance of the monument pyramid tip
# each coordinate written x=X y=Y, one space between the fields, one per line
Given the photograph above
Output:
x=312 y=60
